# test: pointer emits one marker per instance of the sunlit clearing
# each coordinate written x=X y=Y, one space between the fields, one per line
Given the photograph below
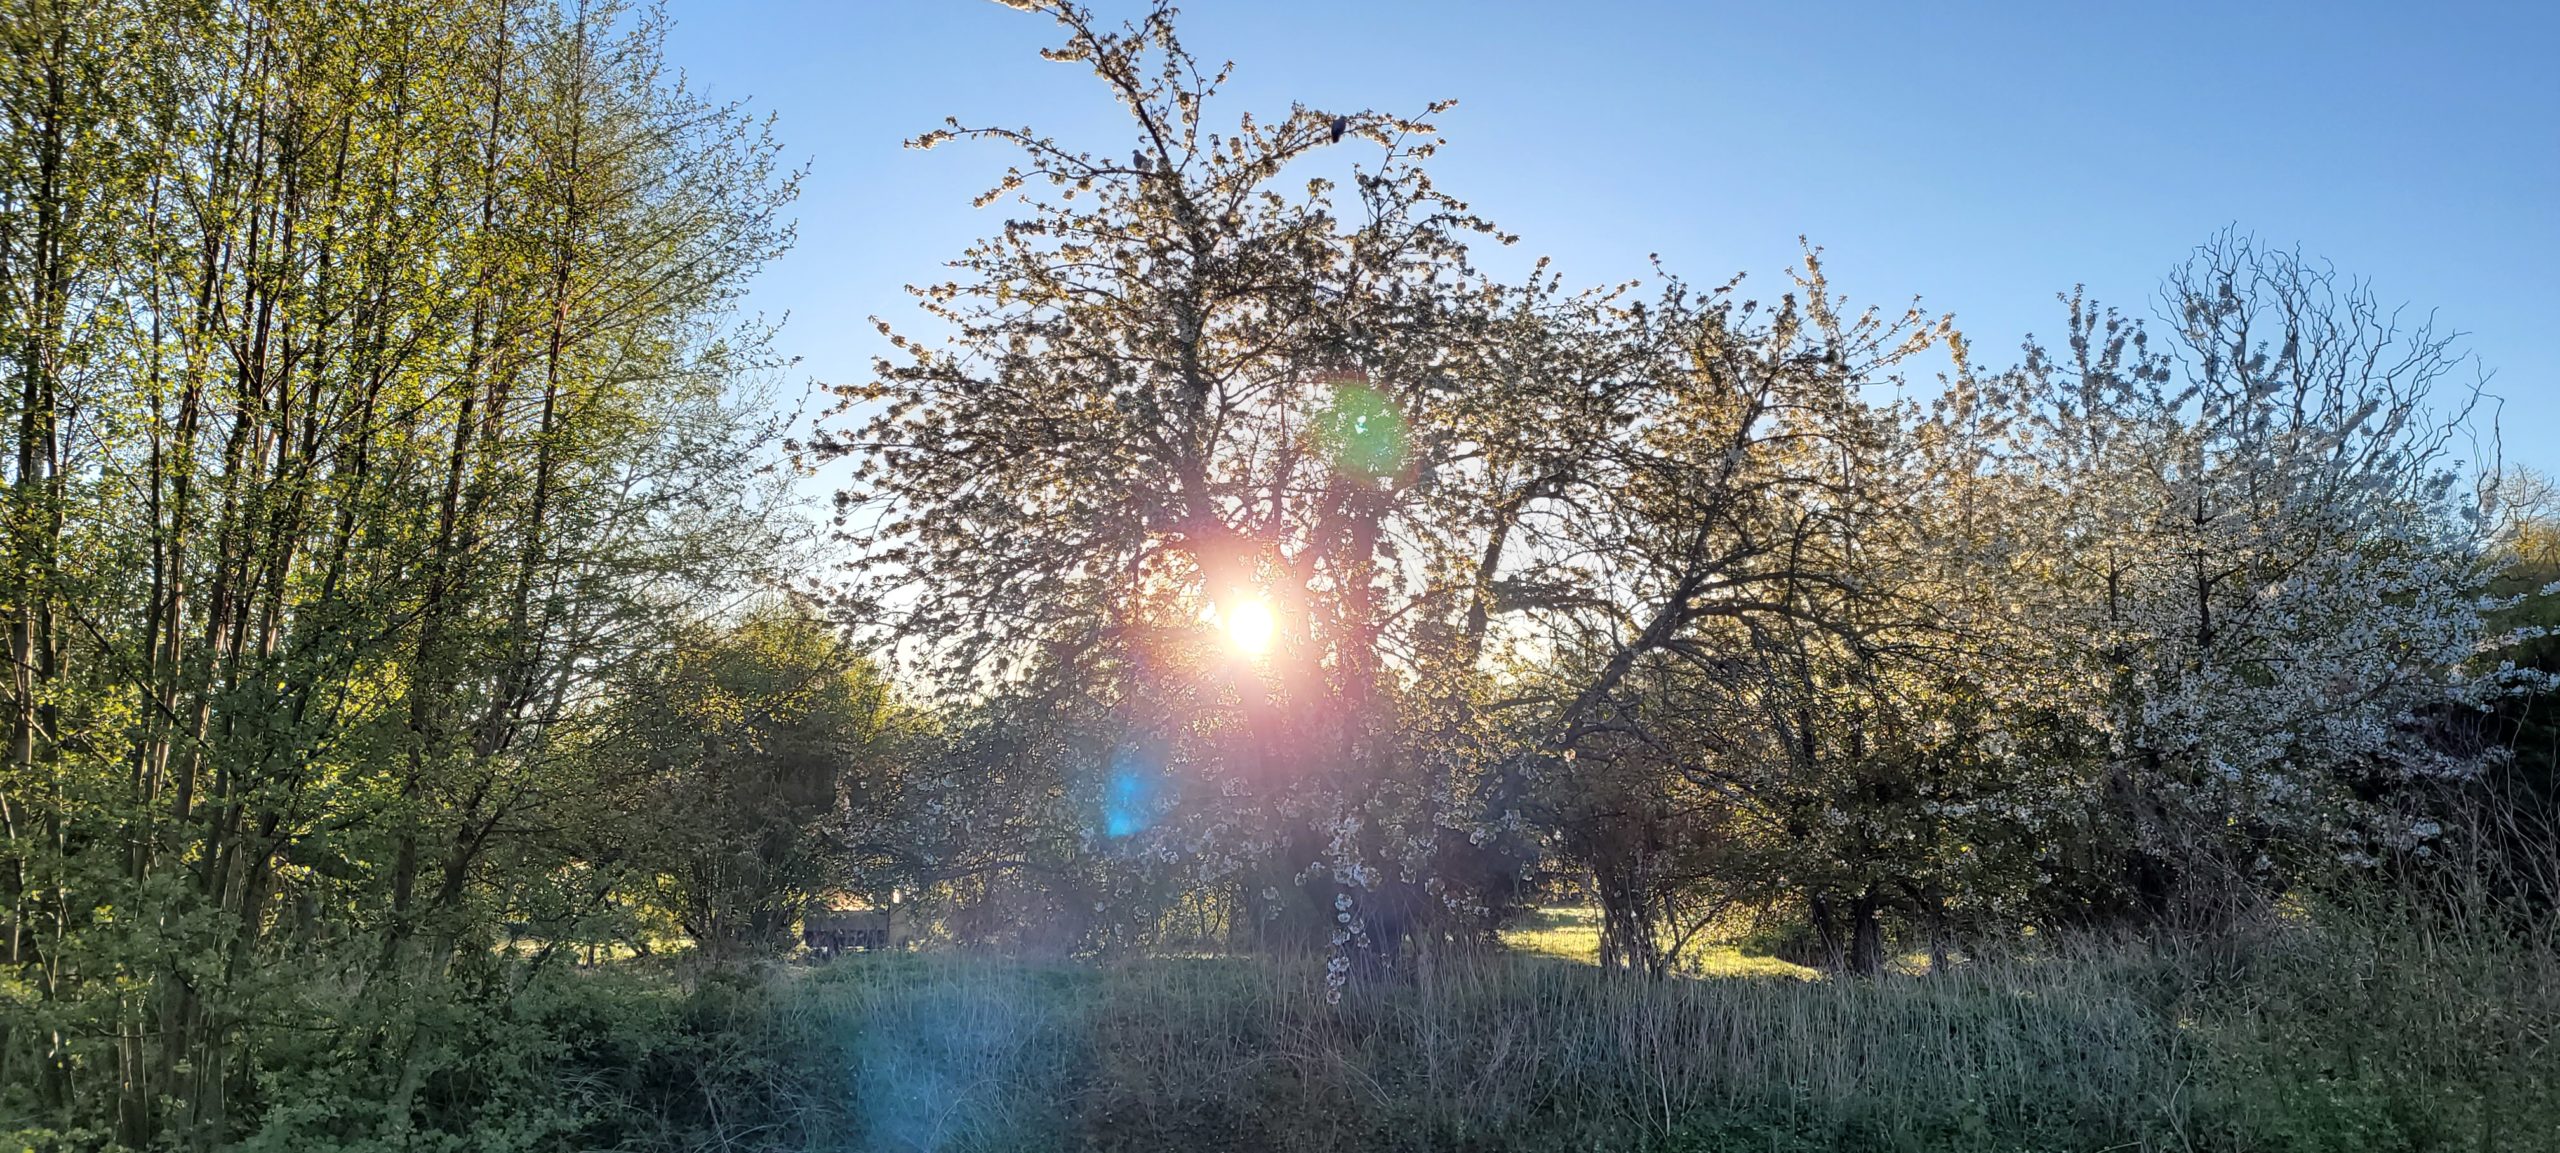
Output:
x=1249 y=624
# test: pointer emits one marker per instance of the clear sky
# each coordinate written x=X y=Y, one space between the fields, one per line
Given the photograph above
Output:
x=1984 y=156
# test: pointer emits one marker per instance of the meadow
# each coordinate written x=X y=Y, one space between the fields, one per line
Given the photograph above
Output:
x=2352 y=1034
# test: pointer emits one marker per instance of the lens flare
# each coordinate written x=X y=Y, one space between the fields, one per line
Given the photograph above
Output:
x=1363 y=432
x=1129 y=794
x=1249 y=624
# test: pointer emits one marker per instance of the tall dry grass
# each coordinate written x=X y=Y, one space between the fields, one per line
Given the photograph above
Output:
x=2358 y=1034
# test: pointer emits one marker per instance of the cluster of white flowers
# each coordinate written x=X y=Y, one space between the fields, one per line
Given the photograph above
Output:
x=2270 y=573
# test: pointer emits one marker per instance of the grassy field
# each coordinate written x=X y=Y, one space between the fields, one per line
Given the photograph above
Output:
x=2299 y=1040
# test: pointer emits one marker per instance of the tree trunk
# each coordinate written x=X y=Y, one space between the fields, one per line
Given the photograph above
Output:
x=1628 y=943
x=1866 y=936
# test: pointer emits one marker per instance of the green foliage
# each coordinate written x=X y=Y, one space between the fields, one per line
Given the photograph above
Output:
x=759 y=753
x=371 y=393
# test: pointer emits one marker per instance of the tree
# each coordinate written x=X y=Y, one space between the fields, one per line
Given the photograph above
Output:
x=2504 y=825
x=373 y=394
x=2265 y=570
x=1178 y=389
x=1175 y=393
x=758 y=748
x=1729 y=523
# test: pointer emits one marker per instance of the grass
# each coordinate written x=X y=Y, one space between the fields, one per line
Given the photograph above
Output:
x=2335 y=1040
x=2342 y=1035
x=1495 y=1053
x=1572 y=933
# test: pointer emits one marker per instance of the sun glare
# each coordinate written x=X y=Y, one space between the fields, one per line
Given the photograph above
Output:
x=1249 y=624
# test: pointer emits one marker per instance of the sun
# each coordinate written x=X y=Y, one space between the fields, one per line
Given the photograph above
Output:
x=1249 y=624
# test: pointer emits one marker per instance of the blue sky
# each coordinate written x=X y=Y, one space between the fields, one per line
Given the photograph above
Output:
x=1984 y=156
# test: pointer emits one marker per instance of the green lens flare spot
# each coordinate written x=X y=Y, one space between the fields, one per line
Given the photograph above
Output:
x=1362 y=432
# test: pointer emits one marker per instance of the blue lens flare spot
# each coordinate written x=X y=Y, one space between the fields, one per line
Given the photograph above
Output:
x=1129 y=794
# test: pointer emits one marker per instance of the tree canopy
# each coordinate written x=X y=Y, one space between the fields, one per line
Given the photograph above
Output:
x=1713 y=594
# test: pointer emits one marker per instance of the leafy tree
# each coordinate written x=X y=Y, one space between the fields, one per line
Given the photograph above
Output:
x=759 y=747
x=2505 y=825
x=371 y=395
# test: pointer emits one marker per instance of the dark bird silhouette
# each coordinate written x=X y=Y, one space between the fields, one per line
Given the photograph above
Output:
x=1341 y=124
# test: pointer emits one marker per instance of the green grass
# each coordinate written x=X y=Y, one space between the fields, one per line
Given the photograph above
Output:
x=2297 y=1041
x=2303 y=1038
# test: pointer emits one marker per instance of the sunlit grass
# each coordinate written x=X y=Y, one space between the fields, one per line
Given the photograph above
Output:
x=1572 y=933
x=1728 y=961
